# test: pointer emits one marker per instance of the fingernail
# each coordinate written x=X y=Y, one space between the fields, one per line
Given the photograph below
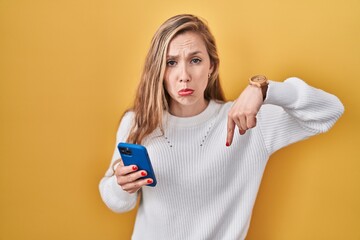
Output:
x=227 y=144
x=134 y=168
x=143 y=173
x=149 y=181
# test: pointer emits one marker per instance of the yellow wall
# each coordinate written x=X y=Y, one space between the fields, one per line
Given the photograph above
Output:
x=69 y=68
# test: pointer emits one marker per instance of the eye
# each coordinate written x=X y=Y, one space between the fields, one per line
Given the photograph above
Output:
x=171 y=63
x=196 y=60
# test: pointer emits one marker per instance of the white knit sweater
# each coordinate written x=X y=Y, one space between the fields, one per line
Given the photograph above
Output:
x=206 y=190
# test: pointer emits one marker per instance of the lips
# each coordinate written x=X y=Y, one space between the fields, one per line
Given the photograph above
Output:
x=186 y=92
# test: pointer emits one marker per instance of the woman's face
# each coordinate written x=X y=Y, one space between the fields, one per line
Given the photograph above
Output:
x=186 y=75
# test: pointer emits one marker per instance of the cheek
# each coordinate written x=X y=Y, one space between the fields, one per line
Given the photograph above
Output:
x=202 y=72
x=169 y=76
x=204 y=84
x=170 y=79
x=203 y=77
x=168 y=84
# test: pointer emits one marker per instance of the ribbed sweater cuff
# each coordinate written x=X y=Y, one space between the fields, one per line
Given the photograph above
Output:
x=115 y=198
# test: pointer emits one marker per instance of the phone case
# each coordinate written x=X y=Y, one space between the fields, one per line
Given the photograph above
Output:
x=137 y=154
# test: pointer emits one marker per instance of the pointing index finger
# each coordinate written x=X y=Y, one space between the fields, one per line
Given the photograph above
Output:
x=230 y=131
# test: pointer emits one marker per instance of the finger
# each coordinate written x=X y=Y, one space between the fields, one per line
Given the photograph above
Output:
x=124 y=170
x=131 y=177
x=236 y=120
x=230 y=131
x=239 y=121
x=251 y=121
x=242 y=120
x=135 y=186
x=242 y=132
x=131 y=187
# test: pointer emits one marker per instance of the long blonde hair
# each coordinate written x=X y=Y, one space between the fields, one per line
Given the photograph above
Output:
x=151 y=98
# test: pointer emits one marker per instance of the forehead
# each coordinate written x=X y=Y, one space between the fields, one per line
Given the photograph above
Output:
x=187 y=41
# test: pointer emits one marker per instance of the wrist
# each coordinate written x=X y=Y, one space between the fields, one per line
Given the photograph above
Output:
x=261 y=82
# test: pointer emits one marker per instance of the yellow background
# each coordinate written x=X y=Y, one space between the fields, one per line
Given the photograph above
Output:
x=68 y=70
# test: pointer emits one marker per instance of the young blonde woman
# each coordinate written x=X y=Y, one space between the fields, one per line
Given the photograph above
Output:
x=209 y=155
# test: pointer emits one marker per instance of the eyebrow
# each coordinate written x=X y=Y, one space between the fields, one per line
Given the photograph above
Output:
x=190 y=54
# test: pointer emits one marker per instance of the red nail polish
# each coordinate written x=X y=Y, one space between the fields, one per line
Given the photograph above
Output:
x=143 y=173
x=149 y=181
x=227 y=144
x=134 y=168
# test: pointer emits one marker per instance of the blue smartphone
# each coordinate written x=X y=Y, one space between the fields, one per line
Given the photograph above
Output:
x=135 y=154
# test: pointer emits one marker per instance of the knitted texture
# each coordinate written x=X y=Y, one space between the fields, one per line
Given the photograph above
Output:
x=206 y=190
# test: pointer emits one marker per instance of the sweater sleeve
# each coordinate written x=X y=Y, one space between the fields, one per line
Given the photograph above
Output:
x=111 y=193
x=294 y=111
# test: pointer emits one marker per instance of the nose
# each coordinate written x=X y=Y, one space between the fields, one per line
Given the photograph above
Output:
x=184 y=74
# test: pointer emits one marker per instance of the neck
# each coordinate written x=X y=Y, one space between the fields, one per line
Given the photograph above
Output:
x=180 y=110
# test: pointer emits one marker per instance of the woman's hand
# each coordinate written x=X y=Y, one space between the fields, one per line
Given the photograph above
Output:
x=243 y=112
x=129 y=178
